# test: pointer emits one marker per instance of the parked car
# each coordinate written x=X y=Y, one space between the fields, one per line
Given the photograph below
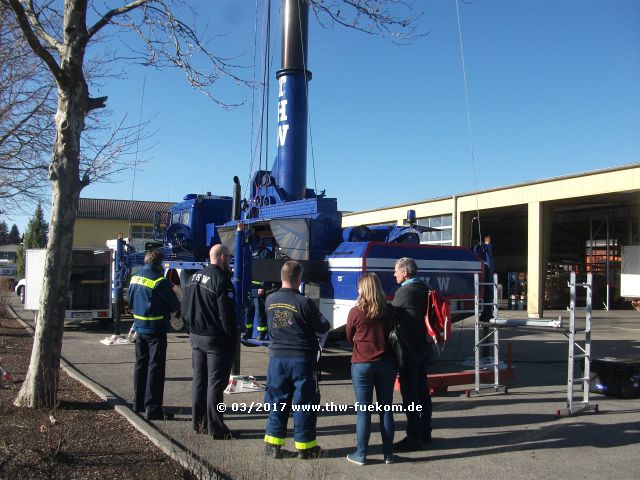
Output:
x=20 y=286
x=8 y=270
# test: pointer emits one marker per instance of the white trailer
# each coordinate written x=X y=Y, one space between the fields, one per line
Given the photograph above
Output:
x=89 y=294
x=630 y=275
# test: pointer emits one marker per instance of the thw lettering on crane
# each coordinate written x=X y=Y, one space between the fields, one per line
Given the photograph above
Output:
x=283 y=127
x=442 y=283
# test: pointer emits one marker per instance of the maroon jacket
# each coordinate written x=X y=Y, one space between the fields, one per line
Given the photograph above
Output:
x=370 y=337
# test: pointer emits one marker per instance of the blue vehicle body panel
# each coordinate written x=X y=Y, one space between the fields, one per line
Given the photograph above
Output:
x=450 y=270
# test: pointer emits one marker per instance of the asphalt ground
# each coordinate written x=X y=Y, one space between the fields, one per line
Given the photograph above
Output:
x=490 y=436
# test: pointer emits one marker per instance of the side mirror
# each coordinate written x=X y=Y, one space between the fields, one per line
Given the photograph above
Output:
x=158 y=230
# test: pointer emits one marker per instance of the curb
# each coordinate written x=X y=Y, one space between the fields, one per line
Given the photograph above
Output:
x=188 y=460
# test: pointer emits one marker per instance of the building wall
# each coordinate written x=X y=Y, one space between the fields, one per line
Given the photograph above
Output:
x=534 y=196
x=602 y=182
x=93 y=233
x=8 y=252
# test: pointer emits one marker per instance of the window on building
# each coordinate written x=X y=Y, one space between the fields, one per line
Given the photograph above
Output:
x=442 y=237
x=141 y=231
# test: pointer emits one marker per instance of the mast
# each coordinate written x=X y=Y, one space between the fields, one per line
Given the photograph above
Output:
x=293 y=77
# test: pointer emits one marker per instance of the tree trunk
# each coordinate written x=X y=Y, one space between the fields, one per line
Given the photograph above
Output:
x=40 y=387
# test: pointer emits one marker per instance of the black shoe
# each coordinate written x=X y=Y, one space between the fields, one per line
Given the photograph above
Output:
x=247 y=335
x=262 y=337
x=407 y=445
x=162 y=415
x=308 y=453
x=271 y=450
x=226 y=436
x=426 y=438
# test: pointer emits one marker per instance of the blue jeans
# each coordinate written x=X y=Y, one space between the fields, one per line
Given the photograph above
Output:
x=380 y=375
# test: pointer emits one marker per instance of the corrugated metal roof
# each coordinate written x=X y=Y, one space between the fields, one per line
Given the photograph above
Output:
x=108 y=209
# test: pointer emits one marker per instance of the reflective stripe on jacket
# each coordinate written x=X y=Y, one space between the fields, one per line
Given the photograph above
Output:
x=152 y=300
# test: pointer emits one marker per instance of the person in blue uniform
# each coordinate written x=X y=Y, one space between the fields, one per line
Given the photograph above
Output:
x=294 y=321
x=256 y=308
x=256 y=305
x=152 y=300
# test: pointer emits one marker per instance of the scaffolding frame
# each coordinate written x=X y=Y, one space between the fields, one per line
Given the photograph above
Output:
x=576 y=342
x=579 y=340
x=484 y=339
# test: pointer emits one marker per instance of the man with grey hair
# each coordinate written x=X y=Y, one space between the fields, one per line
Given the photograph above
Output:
x=410 y=306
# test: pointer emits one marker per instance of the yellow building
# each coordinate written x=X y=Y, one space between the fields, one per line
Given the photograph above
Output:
x=99 y=220
x=539 y=230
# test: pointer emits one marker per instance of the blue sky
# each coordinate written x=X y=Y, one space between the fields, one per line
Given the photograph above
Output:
x=554 y=89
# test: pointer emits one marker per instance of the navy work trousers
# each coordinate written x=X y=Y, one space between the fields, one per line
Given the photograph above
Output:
x=292 y=380
x=256 y=309
x=149 y=373
x=211 y=370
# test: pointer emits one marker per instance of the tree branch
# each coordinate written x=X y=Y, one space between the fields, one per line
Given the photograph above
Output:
x=40 y=31
x=106 y=18
x=32 y=39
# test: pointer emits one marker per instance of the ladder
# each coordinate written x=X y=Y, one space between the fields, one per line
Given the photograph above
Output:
x=580 y=342
x=484 y=339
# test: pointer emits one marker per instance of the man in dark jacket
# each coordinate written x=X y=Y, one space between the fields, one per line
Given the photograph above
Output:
x=410 y=305
x=292 y=379
x=152 y=301
x=210 y=316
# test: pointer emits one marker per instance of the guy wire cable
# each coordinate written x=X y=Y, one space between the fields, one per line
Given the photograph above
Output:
x=306 y=90
x=269 y=54
x=135 y=162
x=266 y=91
x=468 y=107
x=253 y=92
x=257 y=145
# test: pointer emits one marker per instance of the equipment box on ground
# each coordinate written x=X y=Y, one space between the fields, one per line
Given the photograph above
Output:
x=619 y=377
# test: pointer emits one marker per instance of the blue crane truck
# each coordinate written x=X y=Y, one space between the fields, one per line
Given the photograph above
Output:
x=291 y=221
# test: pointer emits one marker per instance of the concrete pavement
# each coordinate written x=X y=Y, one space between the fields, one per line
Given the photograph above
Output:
x=494 y=436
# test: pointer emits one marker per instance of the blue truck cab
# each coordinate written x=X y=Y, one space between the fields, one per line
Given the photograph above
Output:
x=190 y=226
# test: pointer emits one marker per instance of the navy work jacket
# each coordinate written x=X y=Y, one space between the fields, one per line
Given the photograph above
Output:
x=152 y=299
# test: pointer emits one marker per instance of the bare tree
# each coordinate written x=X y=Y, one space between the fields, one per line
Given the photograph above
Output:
x=27 y=127
x=60 y=33
x=394 y=19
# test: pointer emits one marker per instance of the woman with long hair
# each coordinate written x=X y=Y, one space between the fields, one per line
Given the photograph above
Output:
x=372 y=366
